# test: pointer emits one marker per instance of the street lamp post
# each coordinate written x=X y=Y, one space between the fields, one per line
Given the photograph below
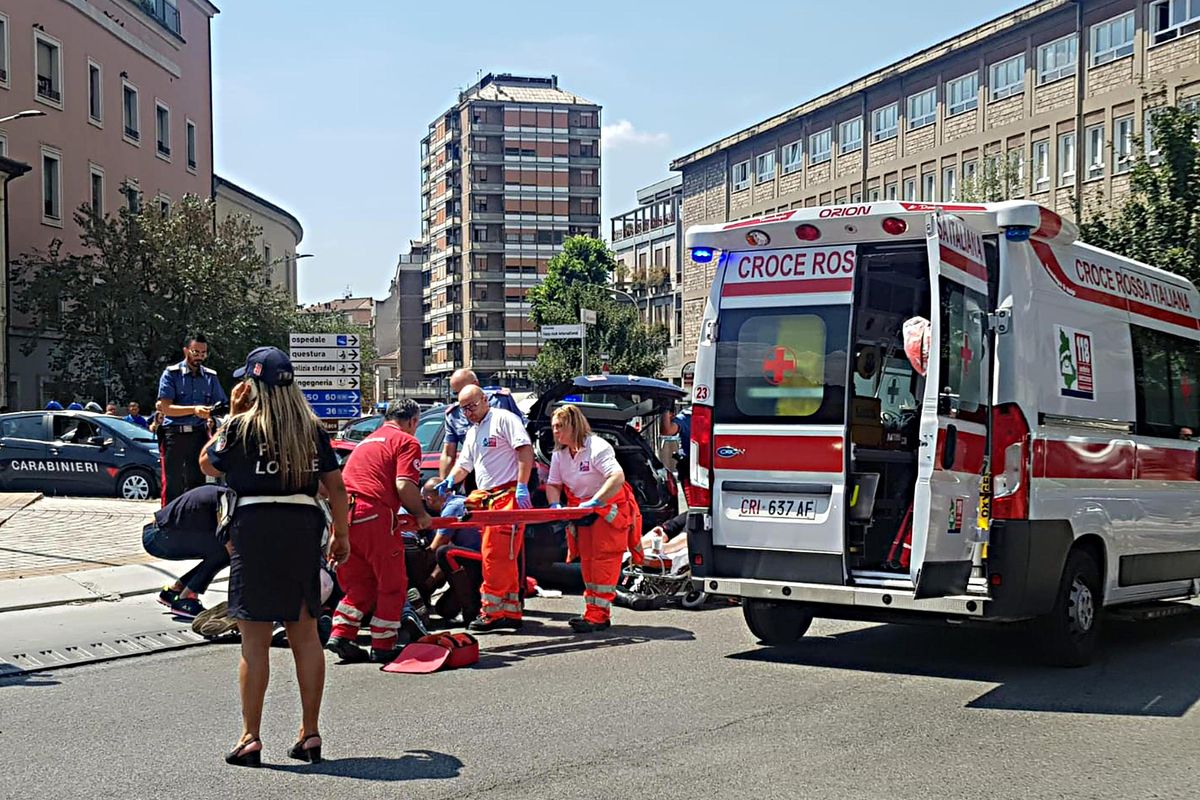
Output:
x=29 y=112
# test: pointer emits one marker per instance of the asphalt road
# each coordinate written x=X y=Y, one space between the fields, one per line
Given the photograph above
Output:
x=669 y=704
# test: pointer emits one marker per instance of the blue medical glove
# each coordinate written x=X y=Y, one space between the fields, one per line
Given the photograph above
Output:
x=523 y=500
x=556 y=505
x=445 y=486
x=593 y=503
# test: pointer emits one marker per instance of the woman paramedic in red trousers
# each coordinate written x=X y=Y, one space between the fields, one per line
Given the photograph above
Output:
x=586 y=466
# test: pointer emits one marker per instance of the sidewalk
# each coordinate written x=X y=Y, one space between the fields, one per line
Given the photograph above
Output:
x=56 y=550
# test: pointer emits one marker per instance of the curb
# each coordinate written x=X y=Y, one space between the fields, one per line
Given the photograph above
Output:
x=91 y=585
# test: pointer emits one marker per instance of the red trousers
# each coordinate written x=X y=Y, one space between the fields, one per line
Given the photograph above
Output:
x=374 y=577
x=501 y=590
x=601 y=547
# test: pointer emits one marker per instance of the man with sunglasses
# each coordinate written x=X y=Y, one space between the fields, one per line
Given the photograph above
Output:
x=187 y=392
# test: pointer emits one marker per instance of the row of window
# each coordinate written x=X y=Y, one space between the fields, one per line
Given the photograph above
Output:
x=48 y=89
x=52 y=193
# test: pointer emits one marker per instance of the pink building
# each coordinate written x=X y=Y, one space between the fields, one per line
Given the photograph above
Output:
x=126 y=87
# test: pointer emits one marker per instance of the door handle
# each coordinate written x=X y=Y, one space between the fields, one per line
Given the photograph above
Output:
x=950 y=448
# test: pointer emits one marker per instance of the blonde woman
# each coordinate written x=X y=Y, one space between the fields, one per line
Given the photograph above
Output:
x=585 y=467
x=275 y=457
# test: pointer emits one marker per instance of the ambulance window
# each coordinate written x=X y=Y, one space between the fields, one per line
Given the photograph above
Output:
x=29 y=427
x=1165 y=368
x=782 y=363
x=964 y=363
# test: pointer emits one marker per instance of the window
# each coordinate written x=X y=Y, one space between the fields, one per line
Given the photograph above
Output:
x=48 y=73
x=164 y=209
x=890 y=191
x=1066 y=158
x=922 y=108
x=1152 y=151
x=970 y=168
x=479 y=233
x=1172 y=18
x=129 y=104
x=95 y=104
x=741 y=176
x=3 y=51
x=191 y=145
x=820 y=146
x=31 y=428
x=964 y=350
x=873 y=196
x=1112 y=39
x=1056 y=59
x=162 y=128
x=850 y=136
x=1165 y=370
x=3 y=145
x=793 y=156
x=764 y=167
x=51 y=187
x=1015 y=173
x=910 y=189
x=97 y=181
x=1041 y=165
x=1094 y=137
x=928 y=187
x=949 y=185
x=1008 y=77
x=133 y=196
x=1122 y=145
x=73 y=430
x=885 y=122
x=962 y=94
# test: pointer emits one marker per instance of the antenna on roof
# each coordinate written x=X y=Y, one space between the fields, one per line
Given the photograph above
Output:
x=348 y=293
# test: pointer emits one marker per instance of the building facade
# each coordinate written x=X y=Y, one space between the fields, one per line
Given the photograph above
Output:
x=126 y=88
x=507 y=173
x=9 y=170
x=999 y=112
x=398 y=327
x=648 y=244
x=279 y=236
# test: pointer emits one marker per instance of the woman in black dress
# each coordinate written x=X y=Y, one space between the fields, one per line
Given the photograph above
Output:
x=274 y=455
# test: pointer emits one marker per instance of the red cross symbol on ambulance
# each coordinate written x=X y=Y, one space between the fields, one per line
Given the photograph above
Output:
x=781 y=364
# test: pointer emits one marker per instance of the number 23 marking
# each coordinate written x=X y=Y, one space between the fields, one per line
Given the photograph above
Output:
x=701 y=392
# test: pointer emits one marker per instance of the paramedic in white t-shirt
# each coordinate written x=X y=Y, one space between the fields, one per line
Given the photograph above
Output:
x=498 y=450
x=585 y=466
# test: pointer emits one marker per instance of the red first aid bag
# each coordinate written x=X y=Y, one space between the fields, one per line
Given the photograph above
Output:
x=434 y=652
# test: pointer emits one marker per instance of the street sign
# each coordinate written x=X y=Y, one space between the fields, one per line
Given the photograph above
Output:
x=324 y=354
x=326 y=382
x=562 y=331
x=315 y=396
x=587 y=316
x=296 y=340
x=335 y=368
x=326 y=411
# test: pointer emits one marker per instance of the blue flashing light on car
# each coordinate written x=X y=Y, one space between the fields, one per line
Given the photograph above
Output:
x=702 y=255
x=1017 y=234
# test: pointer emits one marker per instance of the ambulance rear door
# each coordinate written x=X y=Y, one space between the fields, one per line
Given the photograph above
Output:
x=779 y=398
x=955 y=411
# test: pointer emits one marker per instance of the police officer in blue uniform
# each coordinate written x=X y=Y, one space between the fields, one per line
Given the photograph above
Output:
x=187 y=392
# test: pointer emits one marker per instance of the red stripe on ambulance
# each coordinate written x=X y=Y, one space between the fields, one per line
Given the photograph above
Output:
x=780 y=453
x=801 y=286
x=963 y=264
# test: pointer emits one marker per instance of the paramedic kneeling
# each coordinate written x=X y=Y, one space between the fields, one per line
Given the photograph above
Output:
x=382 y=474
x=497 y=449
x=586 y=466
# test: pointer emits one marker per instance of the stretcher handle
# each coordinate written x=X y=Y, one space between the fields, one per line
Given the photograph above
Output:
x=509 y=516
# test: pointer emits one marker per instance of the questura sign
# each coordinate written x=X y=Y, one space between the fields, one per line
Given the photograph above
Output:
x=53 y=466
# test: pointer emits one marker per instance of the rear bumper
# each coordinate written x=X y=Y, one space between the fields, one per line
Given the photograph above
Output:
x=871 y=600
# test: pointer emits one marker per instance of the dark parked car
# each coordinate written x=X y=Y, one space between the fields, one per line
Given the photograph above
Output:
x=77 y=452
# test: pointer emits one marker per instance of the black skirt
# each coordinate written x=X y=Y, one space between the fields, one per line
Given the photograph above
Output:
x=273 y=572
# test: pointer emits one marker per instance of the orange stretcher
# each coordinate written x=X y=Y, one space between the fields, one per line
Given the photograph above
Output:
x=513 y=516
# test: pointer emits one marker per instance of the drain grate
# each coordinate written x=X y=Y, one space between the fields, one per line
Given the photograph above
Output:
x=121 y=647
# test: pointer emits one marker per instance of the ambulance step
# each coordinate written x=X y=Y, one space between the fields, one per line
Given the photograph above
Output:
x=1142 y=612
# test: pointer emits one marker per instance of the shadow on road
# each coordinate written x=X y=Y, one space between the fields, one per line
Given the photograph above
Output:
x=415 y=765
x=9 y=678
x=570 y=642
x=1143 y=669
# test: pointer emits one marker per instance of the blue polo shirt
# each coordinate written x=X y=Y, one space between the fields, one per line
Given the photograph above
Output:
x=684 y=421
x=139 y=420
x=182 y=388
x=457 y=423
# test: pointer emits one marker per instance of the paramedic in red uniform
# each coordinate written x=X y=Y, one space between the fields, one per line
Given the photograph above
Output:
x=498 y=450
x=382 y=474
x=586 y=467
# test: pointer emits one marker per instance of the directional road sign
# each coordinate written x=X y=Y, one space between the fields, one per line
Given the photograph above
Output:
x=326 y=382
x=344 y=396
x=562 y=331
x=326 y=411
x=334 y=368
x=296 y=340
x=324 y=354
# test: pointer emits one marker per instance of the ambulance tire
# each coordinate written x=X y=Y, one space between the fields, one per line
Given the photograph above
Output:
x=1069 y=634
x=777 y=624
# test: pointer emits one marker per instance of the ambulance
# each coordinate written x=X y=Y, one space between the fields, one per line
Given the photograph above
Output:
x=938 y=412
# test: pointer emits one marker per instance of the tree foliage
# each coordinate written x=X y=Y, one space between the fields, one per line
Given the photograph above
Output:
x=1160 y=222
x=999 y=178
x=577 y=278
x=120 y=305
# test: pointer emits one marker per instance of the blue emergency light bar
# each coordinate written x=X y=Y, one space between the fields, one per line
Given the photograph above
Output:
x=702 y=255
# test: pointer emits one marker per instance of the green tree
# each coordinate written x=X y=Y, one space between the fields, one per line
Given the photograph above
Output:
x=576 y=278
x=999 y=178
x=1160 y=222
x=119 y=306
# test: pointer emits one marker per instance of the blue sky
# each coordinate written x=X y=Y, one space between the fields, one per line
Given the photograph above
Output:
x=322 y=110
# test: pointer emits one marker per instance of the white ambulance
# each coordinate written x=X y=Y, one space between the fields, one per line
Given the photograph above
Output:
x=1037 y=462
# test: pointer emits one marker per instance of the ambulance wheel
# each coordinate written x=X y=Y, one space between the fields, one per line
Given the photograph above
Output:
x=136 y=484
x=777 y=624
x=1069 y=634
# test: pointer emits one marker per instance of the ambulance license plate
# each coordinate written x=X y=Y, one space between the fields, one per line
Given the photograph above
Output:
x=799 y=507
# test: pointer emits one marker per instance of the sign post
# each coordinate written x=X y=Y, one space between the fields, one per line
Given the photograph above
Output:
x=586 y=317
x=328 y=369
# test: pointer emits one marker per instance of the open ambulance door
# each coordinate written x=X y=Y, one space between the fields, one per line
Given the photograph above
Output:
x=952 y=456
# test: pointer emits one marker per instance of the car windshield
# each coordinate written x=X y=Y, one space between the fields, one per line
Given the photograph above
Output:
x=427 y=429
x=361 y=429
x=135 y=433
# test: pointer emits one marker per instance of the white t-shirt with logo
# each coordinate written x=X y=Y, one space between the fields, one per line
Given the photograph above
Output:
x=586 y=471
x=490 y=450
